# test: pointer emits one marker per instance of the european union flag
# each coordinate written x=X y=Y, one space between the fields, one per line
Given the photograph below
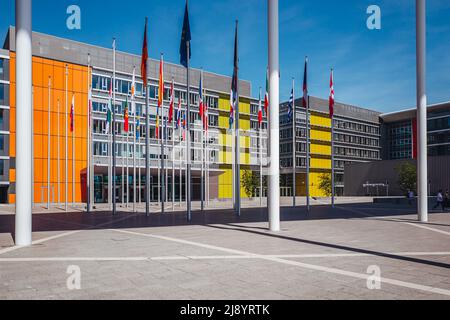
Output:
x=185 y=39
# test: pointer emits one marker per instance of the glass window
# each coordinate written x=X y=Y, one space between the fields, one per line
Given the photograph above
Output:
x=2 y=143
x=2 y=69
x=2 y=167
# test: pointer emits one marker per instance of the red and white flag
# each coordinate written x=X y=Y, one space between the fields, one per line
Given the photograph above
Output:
x=331 y=104
x=260 y=111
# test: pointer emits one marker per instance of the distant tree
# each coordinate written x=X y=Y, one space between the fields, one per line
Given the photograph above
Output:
x=325 y=183
x=250 y=182
x=407 y=177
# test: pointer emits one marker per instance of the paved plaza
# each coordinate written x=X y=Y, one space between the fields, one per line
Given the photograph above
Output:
x=324 y=254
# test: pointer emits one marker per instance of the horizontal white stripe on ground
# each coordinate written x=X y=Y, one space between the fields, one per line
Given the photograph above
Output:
x=219 y=257
x=303 y=265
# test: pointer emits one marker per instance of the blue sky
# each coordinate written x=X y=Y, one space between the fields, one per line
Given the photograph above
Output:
x=373 y=69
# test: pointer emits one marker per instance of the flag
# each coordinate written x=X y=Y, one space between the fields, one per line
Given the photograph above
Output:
x=178 y=123
x=172 y=99
x=266 y=96
x=205 y=117
x=133 y=92
x=185 y=39
x=200 y=99
x=291 y=105
x=144 y=57
x=260 y=111
x=72 y=113
x=184 y=126
x=138 y=128
x=126 y=117
x=331 y=104
x=234 y=83
x=305 y=84
x=160 y=94
x=109 y=111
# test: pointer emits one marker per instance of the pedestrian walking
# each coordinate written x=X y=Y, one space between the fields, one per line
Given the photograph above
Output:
x=439 y=201
x=410 y=197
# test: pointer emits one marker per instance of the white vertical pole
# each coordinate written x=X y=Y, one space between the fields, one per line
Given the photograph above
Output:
x=294 y=146
x=173 y=154
x=128 y=171
x=48 y=144
x=91 y=144
x=123 y=168
x=73 y=157
x=88 y=133
x=134 y=158
x=333 y=188
x=274 y=101
x=421 y=111
x=237 y=142
x=24 y=108
x=180 y=153
x=307 y=154
x=114 y=145
x=58 y=164
x=66 y=144
x=202 y=159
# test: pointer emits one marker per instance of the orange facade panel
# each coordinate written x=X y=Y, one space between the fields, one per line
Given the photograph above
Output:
x=60 y=105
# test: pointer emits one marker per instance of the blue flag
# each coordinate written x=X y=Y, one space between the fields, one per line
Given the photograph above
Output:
x=185 y=38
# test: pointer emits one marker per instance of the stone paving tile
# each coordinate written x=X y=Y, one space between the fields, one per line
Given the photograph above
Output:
x=234 y=278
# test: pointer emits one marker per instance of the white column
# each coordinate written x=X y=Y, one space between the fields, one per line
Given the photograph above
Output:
x=421 y=112
x=274 y=105
x=23 y=116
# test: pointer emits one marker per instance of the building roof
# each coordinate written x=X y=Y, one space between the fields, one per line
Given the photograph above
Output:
x=340 y=109
x=409 y=114
x=65 y=50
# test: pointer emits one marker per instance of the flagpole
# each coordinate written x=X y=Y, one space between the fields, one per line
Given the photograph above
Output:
x=147 y=141
x=73 y=154
x=208 y=156
x=122 y=147
x=237 y=135
x=332 y=142
x=91 y=150
x=188 y=142
x=173 y=145
x=58 y=164
x=260 y=154
x=180 y=150
x=202 y=186
x=134 y=160
x=114 y=130
x=88 y=154
x=128 y=171
x=48 y=144
x=133 y=107
x=307 y=155
x=147 y=154
x=294 y=147
x=67 y=153
x=110 y=154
